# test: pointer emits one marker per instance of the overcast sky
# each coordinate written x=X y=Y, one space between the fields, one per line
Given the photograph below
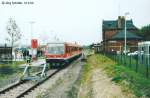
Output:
x=70 y=20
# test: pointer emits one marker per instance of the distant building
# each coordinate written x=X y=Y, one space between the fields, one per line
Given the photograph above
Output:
x=5 y=52
x=97 y=47
x=113 y=35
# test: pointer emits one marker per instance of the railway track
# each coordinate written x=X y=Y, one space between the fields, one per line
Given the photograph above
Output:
x=22 y=88
x=18 y=83
x=37 y=84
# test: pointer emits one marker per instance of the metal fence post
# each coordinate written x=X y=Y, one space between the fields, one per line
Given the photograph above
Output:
x=130 y=61
x=136 y=63
x=120 y=58
x=124 y=60
x=147 y=67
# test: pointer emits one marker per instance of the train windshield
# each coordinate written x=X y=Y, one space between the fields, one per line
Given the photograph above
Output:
x=56 y=48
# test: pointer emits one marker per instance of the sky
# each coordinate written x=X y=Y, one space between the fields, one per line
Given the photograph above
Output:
x=69 y=20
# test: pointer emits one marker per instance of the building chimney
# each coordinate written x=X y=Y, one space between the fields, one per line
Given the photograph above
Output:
x=121 y=21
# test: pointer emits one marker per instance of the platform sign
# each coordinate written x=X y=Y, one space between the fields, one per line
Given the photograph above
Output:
x=34 y=46
x=34 y=43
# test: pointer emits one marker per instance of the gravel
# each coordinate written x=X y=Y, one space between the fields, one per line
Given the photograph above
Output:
x=61 y=82
x=13 y=93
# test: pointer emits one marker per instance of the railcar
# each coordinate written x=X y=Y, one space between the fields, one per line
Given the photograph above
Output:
x=61 y=53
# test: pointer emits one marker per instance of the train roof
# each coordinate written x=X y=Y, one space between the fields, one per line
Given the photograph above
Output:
x=72 y=44
x=67 y=43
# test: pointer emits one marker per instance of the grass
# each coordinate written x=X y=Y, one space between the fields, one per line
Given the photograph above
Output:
x=128 y=78
x=133 y=64
x=81 y=87
x=93 y=62
x=9 y=72
x=86 y=73
x=8 y=69
x=124 y=76
x=130 y=81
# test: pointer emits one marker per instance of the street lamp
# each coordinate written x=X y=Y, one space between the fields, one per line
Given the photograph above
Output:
x=125 y=34
x=31 y=24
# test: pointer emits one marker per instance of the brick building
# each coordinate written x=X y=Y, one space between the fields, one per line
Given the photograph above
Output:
x=113 y=35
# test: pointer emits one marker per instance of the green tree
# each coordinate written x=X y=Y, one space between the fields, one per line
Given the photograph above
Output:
x=145 y=32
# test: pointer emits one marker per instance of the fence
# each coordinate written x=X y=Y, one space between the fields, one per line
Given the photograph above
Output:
x=133 y=62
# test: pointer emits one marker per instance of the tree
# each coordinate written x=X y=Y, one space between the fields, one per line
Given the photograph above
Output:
x=145 y=32
x=13 y=32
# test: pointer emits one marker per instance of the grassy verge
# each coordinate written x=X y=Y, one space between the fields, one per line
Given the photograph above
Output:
x=133 y=63
x=84 y=83
x=129 y=80
x=93 y=62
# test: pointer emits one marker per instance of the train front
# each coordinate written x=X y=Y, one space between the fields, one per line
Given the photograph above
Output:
x=55 y=52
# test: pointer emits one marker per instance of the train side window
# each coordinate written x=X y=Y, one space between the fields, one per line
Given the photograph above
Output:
x=68 y=49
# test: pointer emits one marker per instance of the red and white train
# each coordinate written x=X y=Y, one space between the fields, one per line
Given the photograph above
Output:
x=61 y=52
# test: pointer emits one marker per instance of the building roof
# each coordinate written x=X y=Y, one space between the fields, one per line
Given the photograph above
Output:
x=129 y=35
x=113 y=24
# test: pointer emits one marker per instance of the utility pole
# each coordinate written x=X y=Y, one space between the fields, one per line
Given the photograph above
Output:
x=125 y=34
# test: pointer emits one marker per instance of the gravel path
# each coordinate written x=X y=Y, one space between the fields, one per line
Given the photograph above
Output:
x=103 y=87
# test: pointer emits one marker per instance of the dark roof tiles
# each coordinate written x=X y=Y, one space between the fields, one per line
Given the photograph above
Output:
x=113 y=24
x=121 y=35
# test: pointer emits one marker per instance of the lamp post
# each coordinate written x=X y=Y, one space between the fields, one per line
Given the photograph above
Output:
x=31 y=26
x=125 y=34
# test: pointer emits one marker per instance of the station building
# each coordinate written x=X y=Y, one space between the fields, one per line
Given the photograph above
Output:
x=113 y=32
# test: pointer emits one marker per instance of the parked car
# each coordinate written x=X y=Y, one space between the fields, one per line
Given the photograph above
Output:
x=135 y=53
